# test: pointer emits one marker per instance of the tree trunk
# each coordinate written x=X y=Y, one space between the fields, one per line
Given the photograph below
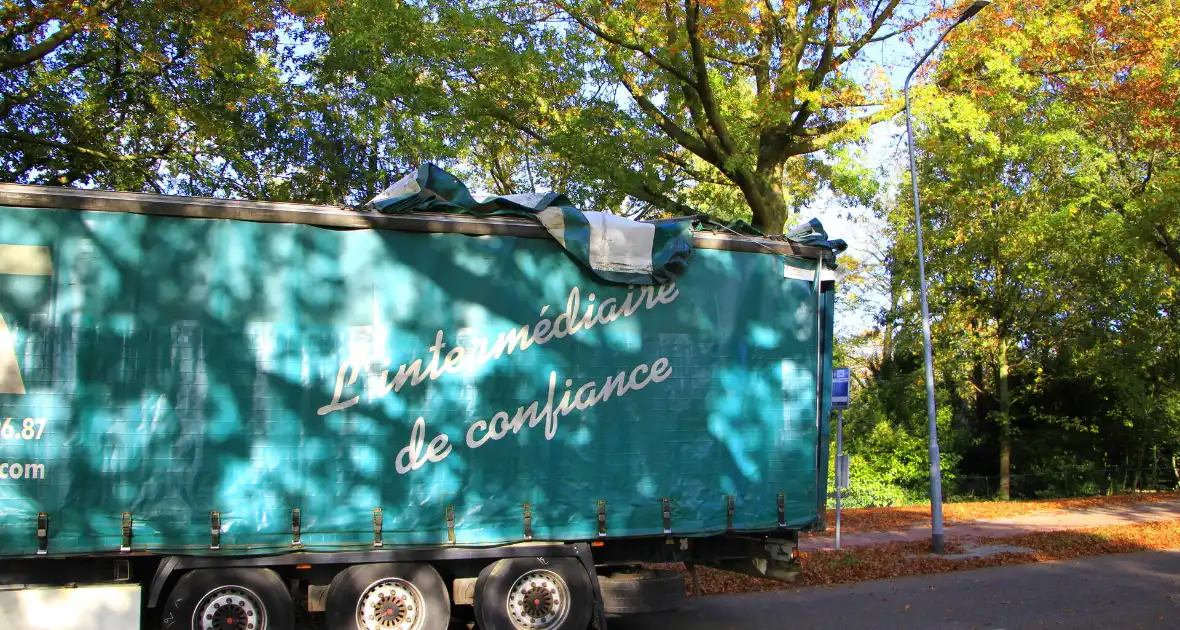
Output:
x=763 y=190
x=1138 y=467
x=891 y=314
x=1155 y=468
x=1005 y=419
x=1175 y=470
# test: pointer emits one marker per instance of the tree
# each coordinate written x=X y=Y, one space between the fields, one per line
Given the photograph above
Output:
x=1041 y=178
x=141 y=94
x=736 y=95
x=1115 y=64
x=681 y=106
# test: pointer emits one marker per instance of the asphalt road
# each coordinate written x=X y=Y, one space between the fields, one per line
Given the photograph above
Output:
x=1139 y=590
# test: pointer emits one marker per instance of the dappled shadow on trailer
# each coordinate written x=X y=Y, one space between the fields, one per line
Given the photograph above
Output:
x=188 y=366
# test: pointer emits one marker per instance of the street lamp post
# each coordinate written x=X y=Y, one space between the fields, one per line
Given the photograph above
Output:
x=936 y=534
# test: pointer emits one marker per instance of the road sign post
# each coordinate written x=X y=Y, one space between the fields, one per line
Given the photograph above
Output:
x=840 y=381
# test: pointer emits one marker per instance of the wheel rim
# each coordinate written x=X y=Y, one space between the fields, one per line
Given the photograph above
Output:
x=230 y=608
x=538 y=600
x=391 y=604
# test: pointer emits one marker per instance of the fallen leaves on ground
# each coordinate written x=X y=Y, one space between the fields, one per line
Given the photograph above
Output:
x=899 y=559
x=883 y=519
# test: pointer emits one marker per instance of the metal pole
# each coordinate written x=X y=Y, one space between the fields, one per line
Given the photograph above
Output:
x=936 y=533
x=839 y=458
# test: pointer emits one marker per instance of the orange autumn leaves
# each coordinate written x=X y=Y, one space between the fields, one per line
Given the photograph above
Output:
x=905 y=517
x=899 y=559
x=45 y=17
x=1115 y=61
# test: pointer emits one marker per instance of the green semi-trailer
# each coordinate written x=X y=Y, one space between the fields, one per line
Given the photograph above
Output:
x=211 y=410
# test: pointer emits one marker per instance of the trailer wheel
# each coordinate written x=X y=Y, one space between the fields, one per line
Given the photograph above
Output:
x=388 y=596
x=533 y=594
x=224 y=599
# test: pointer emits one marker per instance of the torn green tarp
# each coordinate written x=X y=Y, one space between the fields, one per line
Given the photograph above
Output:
x=614 y=248
x=810 y=233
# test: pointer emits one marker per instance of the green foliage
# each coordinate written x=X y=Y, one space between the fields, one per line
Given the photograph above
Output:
x=144 y=94
x=867 y=489
x=1053 y=291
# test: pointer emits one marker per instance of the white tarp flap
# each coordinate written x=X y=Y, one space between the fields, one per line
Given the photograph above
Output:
x=619 y=244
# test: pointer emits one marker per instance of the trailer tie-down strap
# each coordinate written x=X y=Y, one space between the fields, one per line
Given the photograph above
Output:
x=782 y=510
x=528 y=522
x=729 y=512
x=42 y=533
x=215 y=530
x=451 y=524
x=378 y=525
x=296 y=528
x=127 y=522
x=667 y=515
x=601 y=518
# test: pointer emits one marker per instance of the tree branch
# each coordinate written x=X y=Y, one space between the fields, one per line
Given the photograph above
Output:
x=824 y=136
x=1168 y=246
x=689 y=92
x=765 y=48
x=646 y=193
x=752 y=62
x=53 y=42
x=873 y=40
x=825 y=60
x=803 y=36
x=868 y=35
x=21 y=136
x=800 y=46
x=1142 y=186
x=667 y=125
x=692 y=172
x=618 y=41
x=692 y=11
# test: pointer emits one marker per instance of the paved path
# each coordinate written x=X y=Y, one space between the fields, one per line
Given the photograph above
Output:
x=1123 y=592
x=1054 y=520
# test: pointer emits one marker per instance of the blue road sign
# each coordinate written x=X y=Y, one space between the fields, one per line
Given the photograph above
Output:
x=840 y=378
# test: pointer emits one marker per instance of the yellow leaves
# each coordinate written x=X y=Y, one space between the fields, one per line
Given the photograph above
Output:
x=1110 y=58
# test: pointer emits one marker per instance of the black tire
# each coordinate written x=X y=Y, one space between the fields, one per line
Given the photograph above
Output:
x=351 y=584
x=267 y=596
x=642 y=592
x=497 y=580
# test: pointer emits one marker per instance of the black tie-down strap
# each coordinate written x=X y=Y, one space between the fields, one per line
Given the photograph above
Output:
x=296 y=528
x=42 y=533
x=214 y=530
x=127 y=532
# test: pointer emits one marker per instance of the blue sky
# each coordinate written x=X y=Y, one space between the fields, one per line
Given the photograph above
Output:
x=885 y=151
